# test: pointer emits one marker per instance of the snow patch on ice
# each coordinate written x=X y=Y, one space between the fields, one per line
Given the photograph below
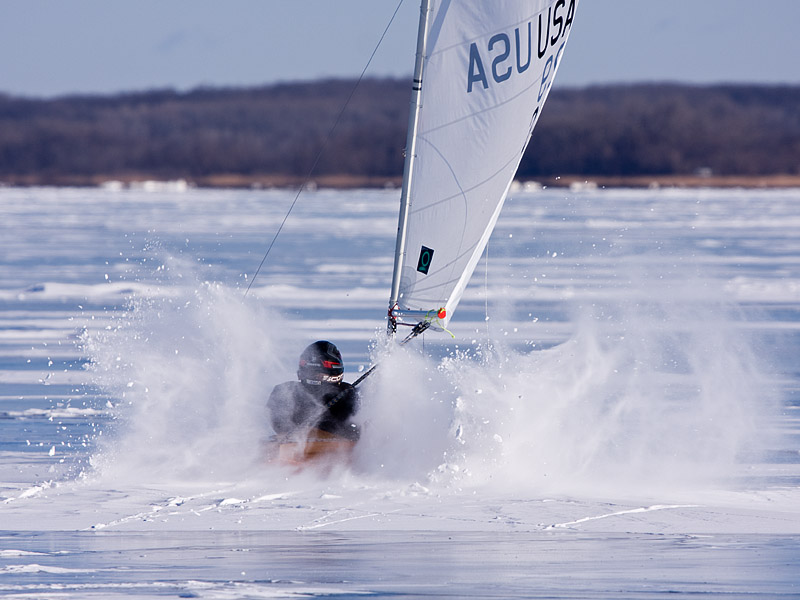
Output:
x=35 y=568
x=19 y=553
x=78 y=291
x=55 y=413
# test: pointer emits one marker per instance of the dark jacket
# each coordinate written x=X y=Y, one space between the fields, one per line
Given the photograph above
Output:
x=295 y=406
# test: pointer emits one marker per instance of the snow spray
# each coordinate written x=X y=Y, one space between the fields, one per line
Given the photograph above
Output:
x=658 y=388
x=191 y=369
x=661 y=390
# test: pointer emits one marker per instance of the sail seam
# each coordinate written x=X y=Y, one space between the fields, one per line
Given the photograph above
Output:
x=463 y=190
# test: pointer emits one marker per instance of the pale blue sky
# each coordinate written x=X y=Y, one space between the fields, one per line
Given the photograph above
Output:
x=53 y=47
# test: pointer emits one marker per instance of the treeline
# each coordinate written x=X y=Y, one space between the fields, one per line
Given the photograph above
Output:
x=278 y=130
x=668 y=130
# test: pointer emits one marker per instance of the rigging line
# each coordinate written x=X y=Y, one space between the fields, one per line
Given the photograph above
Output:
x=486 y=295
x=322 y=148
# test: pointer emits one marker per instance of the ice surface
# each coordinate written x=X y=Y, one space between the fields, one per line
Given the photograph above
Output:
x=617 y=414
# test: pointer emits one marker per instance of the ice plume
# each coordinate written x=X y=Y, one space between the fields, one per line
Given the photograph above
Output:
x=642 y=398
x=190 y=372
x=406 y=416
x=661 y=392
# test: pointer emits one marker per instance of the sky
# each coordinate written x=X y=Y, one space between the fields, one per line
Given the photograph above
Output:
x=54 y=47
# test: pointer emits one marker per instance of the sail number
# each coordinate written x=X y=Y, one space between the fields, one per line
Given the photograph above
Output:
x=497 y=54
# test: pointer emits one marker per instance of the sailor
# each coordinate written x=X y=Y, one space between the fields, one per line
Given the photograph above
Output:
x=320 y=399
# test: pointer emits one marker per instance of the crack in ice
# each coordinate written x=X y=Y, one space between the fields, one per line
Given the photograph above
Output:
x=630 y=511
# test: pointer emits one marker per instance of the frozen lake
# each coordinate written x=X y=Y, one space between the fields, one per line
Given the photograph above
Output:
x=616 y=414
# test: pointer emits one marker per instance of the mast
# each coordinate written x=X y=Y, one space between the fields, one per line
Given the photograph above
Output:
x=408 y=168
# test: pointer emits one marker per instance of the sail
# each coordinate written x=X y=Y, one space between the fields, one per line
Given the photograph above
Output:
x=488 y=68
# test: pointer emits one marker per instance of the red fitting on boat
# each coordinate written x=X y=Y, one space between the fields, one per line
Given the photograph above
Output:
x=392 y=322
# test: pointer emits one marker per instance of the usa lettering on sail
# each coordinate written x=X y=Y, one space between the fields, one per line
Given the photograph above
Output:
x=495 y=61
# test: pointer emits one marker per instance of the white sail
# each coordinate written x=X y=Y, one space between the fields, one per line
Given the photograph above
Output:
x=488 y=68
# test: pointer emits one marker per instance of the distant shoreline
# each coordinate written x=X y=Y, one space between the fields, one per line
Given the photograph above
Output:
x=269 y=137
x=236 y=181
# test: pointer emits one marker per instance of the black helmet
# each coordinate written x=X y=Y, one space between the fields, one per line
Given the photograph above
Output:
x=321 y=362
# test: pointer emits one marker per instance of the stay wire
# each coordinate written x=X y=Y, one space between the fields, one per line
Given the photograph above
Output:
x=322 y=147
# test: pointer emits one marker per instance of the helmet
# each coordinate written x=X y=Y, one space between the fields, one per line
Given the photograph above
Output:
x=320 y=362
